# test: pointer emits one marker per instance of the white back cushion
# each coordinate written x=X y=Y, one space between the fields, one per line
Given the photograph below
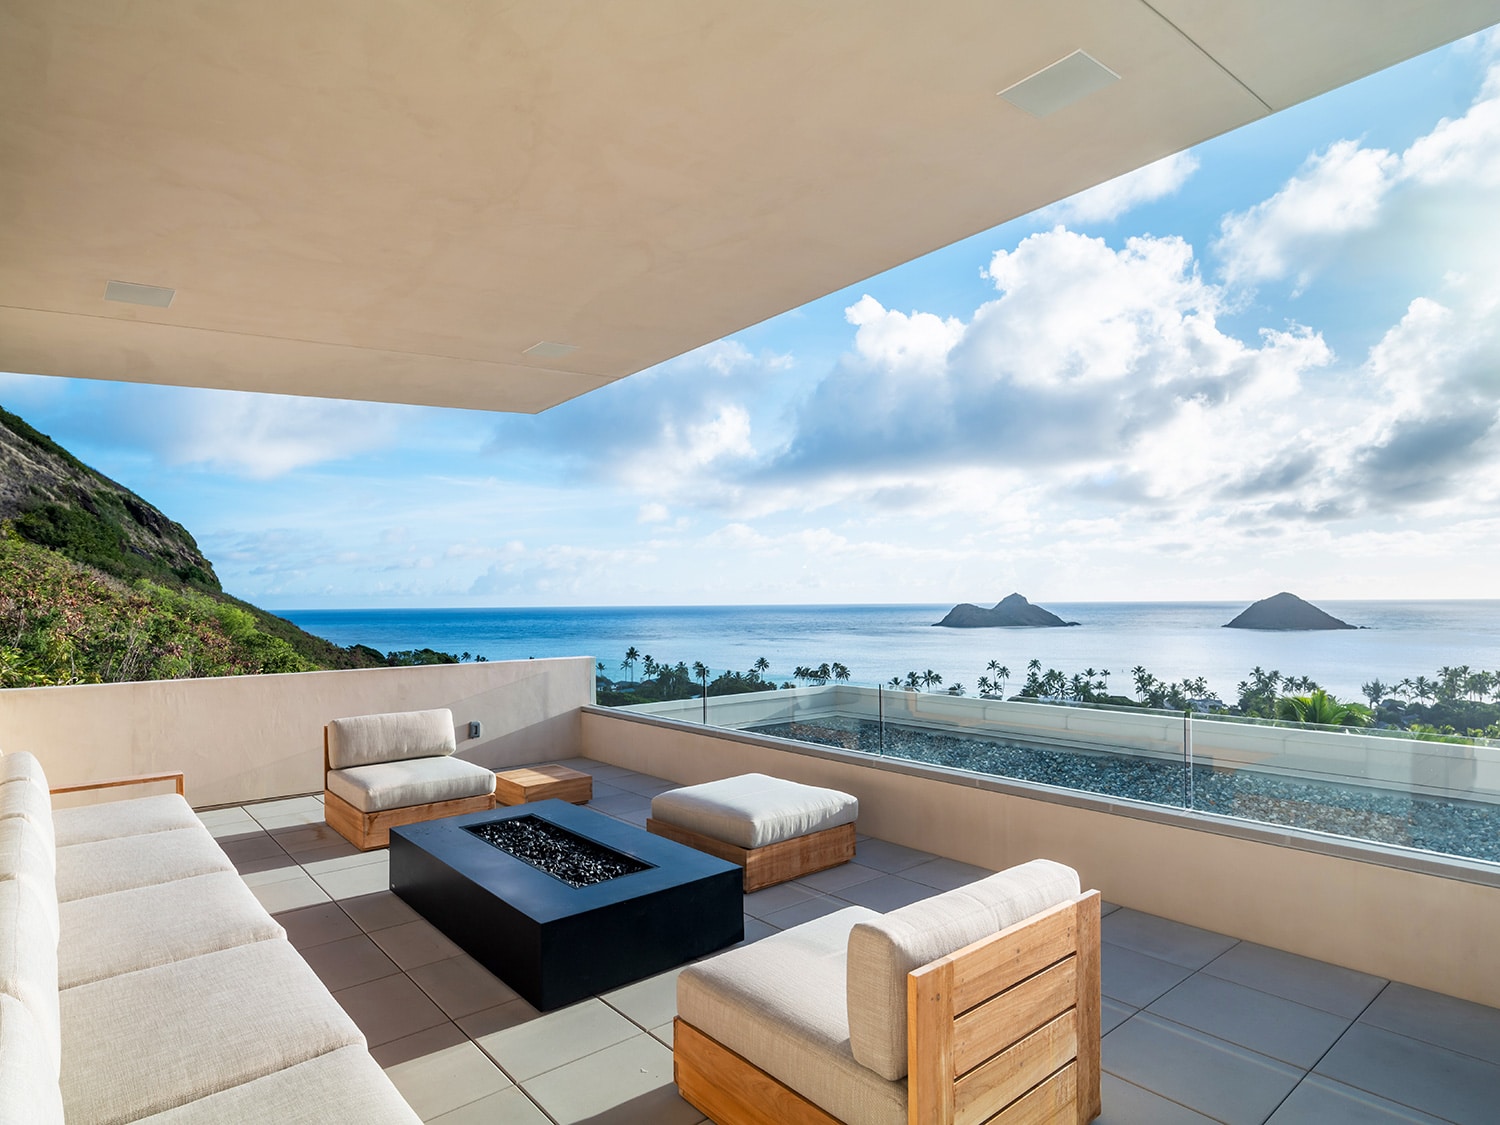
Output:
x=29 y=1090
x=883 y=950
x=366 y=739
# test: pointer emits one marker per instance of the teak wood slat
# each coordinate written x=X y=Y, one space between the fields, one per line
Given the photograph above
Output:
x=729 y=1090
x=1014 y=1014
x=774 y=863
x=116 y=782
x=993 y=1085
x=1014 y=954
x=1054 y=1100
x=373 y=830
x=542 y=783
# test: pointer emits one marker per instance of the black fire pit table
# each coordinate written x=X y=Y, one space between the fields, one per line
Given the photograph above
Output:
x=553 y=942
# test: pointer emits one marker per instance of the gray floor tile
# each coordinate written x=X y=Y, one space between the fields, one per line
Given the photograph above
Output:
x=647 y=1003
x=886 y=856
x=1164 y=939
x=945 y=874
x=1319 y=1101
x=830 y=880
x=377 y=911
x=1416 y=1074
x=487 y=1021
x=460 y=985
x=314 y=925
x=800 y=912
x=415 y=943
x=626 y=807
x=355 y=882
x=629 y=1083
x=769 y=901
x=1108 y=908
x=348 y=961
x=291 y=893
x=888 y=892
x=1136 y=979
x=389 y=1008
x=1344 y=992
x=557 y=1038
x=1127 y=1104
x=1215 y=1078
x=510 y=1106
x=1112 y=1014
x=258 y=845
x=1459 y=1025
x=755 y=929
x=643 y=785
x=440 y=1070
x=1280 y=1028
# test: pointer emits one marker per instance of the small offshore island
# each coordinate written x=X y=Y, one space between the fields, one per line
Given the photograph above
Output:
x=1287 y=612
x=1009 y=612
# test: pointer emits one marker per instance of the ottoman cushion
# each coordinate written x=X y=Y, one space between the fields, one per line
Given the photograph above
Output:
x=753 y=810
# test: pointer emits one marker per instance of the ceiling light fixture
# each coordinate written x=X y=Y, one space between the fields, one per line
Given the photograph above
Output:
x=1058 y=86
x=130 y=293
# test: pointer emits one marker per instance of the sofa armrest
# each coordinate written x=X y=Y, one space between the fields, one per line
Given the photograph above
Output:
x=117 y=782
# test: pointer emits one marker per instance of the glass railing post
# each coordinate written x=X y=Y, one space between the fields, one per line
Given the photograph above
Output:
x=1187 y=759
x=880 y=714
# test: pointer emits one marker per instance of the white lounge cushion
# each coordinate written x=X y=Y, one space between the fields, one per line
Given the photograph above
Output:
x=366 y=739
x=149 y=1041
x=347 y=1084
x=28 y=959
x=29 y=1091
x=122 y=932
x=883 y=950
x=135 y=817
x=414 y=781
x=105 y=866
x=24 y=855
x=753 y=810
x=19 y=765
x=20 y=798
x=779 y=1003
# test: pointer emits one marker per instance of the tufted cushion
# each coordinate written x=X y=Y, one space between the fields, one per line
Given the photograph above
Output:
x=29 y=1090
x=135 y=817
x=28 y=959
x=22 y=766
x=366 y=739
x=416 y=781
x=753 y=810
x=884 y=950
x=105 y=866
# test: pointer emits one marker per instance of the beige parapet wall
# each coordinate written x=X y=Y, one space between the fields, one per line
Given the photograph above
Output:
x=1403 y=764
x=1427 y=929
x=247 y=738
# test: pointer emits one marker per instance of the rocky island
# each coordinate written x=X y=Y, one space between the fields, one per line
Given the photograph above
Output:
x=1288 y=612
x=1012 y=612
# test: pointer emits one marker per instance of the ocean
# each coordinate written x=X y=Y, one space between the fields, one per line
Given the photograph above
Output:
x=1171 y=640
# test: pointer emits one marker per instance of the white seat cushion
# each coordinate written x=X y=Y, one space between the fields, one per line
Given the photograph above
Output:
x=883 y=950
x=28 y=958
x=149 y=1041
x=105 y=866
x=414 y=781
x=366 y=739
x=753 y=810
x=29 y=1090
x=779 y=1003
x=345 y=1083
x=136 y=817
x=107 y=935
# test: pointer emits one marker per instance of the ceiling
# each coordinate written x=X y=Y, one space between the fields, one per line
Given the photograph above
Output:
x=393 y=200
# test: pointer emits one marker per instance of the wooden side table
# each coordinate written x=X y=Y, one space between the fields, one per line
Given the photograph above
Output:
x=541 y=783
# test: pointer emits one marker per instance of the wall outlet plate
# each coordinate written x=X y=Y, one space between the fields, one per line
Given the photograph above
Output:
x=476 y=728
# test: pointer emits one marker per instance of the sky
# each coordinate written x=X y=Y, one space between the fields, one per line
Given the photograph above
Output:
x=1271 y=362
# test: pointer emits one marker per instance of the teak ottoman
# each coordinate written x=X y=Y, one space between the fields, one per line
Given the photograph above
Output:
x=776 y=830
x=543 y=783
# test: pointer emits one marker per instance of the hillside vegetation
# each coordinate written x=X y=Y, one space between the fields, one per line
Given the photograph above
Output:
x=99 y=586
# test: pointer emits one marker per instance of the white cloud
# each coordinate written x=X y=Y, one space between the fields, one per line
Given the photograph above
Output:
x=1106 y=202
x=653 y=513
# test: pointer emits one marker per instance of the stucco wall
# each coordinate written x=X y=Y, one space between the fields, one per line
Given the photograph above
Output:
x=1425 y=929
x=247 y=738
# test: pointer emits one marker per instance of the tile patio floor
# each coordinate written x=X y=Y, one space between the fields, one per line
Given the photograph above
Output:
x=1199 y=1027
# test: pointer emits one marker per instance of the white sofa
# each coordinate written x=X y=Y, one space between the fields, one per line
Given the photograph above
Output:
x=979 y=1004
x=140 y=980
x=380 y=771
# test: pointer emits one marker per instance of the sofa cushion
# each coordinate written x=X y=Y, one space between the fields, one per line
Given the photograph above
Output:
x=20 y=798
x=28 y=959
x=303 y=1095
x=149 y=1041
x=779 y=1003
x=110 y=934
x=29 y=1091
x=882 y=951
x=415 y=781
x=19 y=765
x=136 y=817
x=753 y=810
x=105 y=866
x=24 y=855
x=366 y=739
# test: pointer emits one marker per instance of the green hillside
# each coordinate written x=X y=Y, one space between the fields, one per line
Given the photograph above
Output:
x=99 y=586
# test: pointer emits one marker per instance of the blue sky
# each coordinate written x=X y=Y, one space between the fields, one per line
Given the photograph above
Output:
x=1271 y=362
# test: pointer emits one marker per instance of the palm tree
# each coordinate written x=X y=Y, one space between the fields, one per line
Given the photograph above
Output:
x=913 y=681
x=1320 y=707
x=802 y=672
x=822 y=672
x=1375 y=691
x=931 y=679
x=1423 y=688
x=761 y=666
x=840 y=673
x=956 y=689
x=648 y=666
x=700 y=670
x=1034 y=665
x=1002 y=674
x=894 y=682
x=632 y=654
x=986 y=686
